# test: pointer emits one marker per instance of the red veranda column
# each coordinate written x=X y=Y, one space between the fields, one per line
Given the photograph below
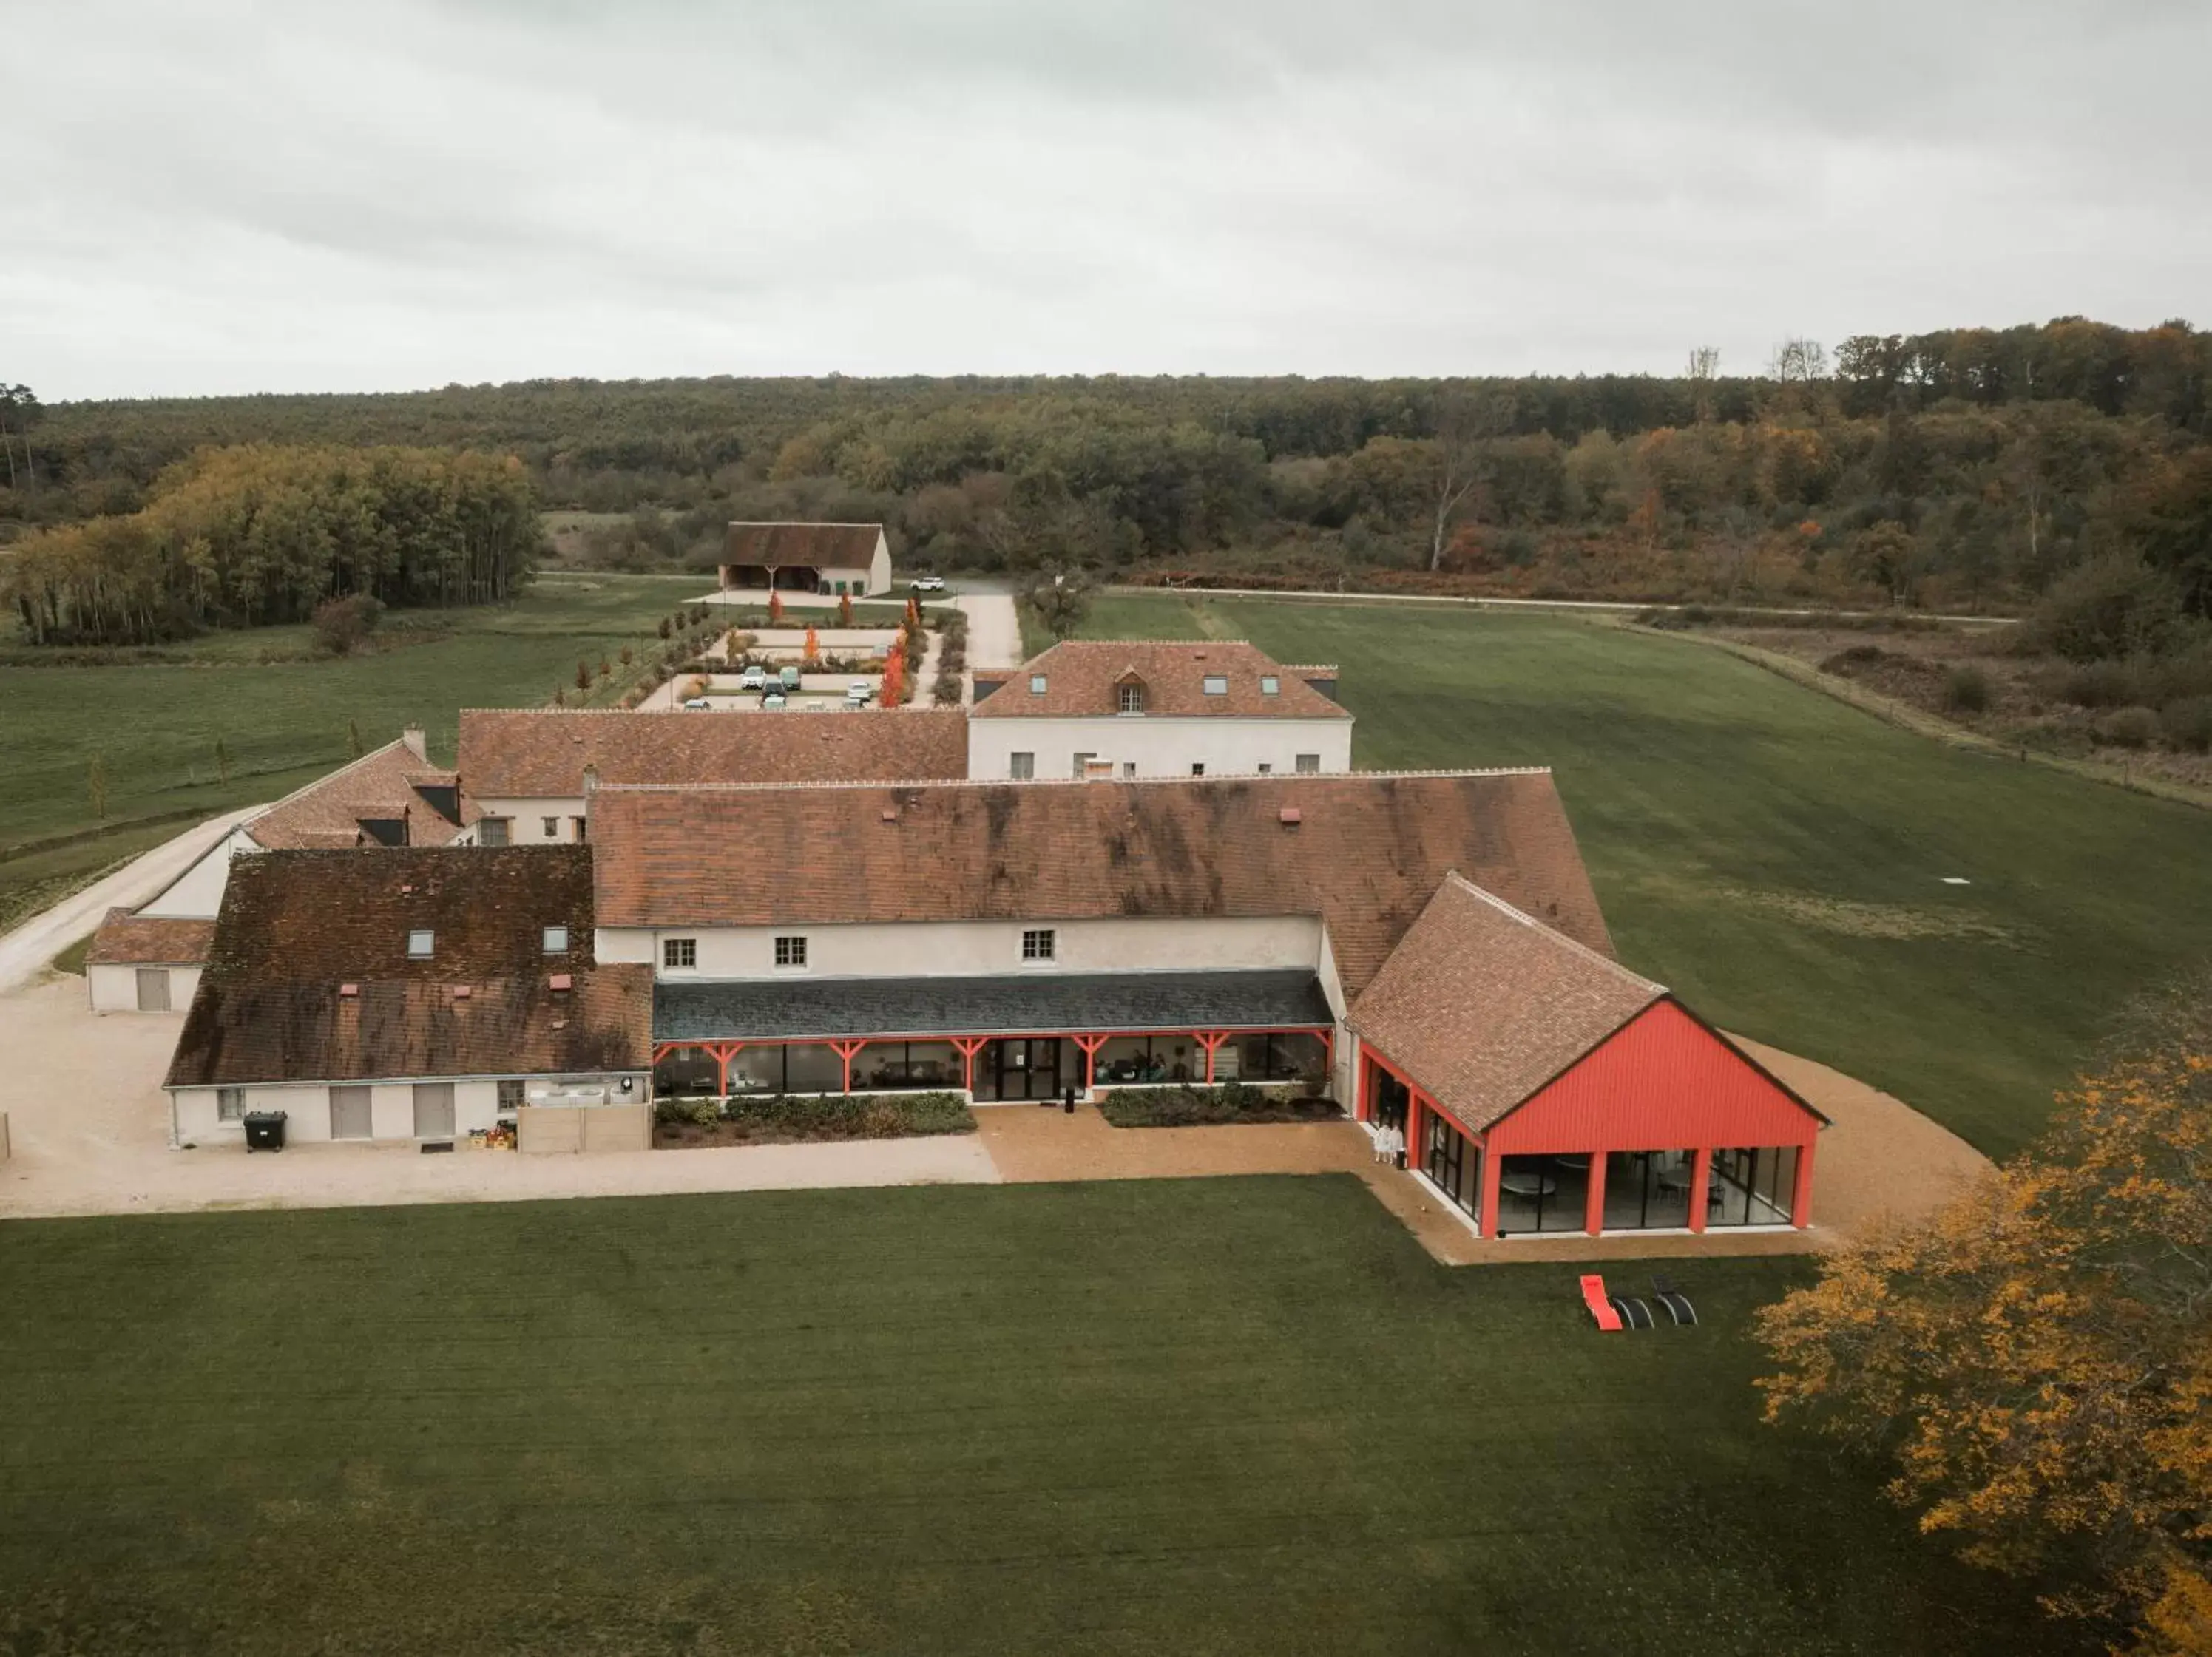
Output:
x=968 y=1046
x=1701 y=1181
x=845 y=1050
x=1801 y=1197
x=1089 y=1044
x=1210 y=1040
x=1486 y=1222
x=1594 y=1201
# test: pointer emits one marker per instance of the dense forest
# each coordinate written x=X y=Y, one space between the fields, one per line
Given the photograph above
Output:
x=260 y=533
x=1970 y=467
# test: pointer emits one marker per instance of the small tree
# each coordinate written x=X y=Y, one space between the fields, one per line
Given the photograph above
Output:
x=776 y=608
x=343 y=624
x=222 y=759
x=560 y=697
x=583 y=676
x=813 y=646
x=625 y=655
x=95 y=784
x=606 y=668
x=354 y=745
x=665 y=628
x=844 y=610
x=1060 y=602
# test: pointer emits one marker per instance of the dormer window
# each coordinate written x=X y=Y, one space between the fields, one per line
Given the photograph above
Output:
x=1270 y=685
x=1036 y=684
x=420 y=945
x=1129 y=697
x=555 y=940
x=1216 y=684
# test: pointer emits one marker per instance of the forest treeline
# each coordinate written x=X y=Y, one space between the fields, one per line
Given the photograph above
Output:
x=262 y=533
x=1968 y=467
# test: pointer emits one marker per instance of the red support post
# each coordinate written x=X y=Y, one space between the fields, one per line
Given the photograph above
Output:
x=1486 y=1221
x=724 y=1052
x=968 y=1046
x=1412 y=1129
x=845 y=1050
x=1701 y=1182
x=1593 y=1197
x=1801 y=1197
x=1210 y=1040
x=1089 y=1044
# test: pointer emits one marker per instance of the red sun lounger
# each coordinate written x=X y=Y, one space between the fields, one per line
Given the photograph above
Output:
x=1593 y=1296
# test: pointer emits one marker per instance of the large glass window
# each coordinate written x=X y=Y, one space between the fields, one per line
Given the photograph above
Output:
x=1542 y=1193
x=1453 y=1164
x=1130 y=1061
x=812 y=1067
x=757 y=1070
x=1647 y=1190
x=884 y=1065
x=1752 y=1186
x=1285 y=1056
x=685 y=1072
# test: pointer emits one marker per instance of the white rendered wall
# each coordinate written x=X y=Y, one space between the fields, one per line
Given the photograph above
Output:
x=308 y=1111
x=528 y=824
x=1160 y=746
x=115 y=989
x=196 y=893
x=969 y=948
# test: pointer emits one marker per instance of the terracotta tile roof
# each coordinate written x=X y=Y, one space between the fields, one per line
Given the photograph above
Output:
x=509 y=753
x=298 y=927
x=1481 y=1004
x=1084 y=675
x=391 y=785
x=128 y=940
x=1364 y=849
x=847 y=546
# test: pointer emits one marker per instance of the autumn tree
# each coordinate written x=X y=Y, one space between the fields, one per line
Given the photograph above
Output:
x=1060 y=602
x=844 y=610
x=1463 y=426
x=813 y=649
x=775 y=608
x=2036 y=1362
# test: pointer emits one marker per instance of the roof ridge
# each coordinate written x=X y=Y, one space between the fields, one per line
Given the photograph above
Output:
x=1303 y=777
x=325 y=781
x=1452 y=876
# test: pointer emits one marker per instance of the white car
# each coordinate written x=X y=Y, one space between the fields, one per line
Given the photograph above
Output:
x=696 y=705
x=928 y=584
x=858 y=694
x=753 y=678
x=772 y=701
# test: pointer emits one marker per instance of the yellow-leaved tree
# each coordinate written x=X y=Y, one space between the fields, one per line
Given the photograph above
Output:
x=2037 y=1360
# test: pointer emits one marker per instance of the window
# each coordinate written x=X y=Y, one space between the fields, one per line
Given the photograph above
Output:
x=1266 y=769
x=1198 y=768
x=492 y=831
x=1309 y=763
x=229 y=1104
x=556 y=941
x=510 y=1093
x=1270 y=685
x=679 y=952
x=1081 y=760
x=1021 y=766
x=1216 y=684
x=420 y=945
x=791 y=952
x=1128 y=768
x=1036 y=684
x=579 y=823
x=551 y=827
x=1131 y=699
x=1037 y=944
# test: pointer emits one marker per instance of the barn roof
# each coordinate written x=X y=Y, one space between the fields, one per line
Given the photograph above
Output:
x=847 y=546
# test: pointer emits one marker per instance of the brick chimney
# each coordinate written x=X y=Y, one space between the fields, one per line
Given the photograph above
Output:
x=413 y=741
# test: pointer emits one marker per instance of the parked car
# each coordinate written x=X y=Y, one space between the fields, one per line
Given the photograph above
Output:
x=696 y=704
x=859 y=693
x=772 y=701
x=788 y=677
x=753 y=678
x=928 y=584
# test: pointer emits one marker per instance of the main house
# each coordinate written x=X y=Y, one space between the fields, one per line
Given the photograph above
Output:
x=148 y=959
x=1425 y=949
x=834 y=558
x=1154 y=707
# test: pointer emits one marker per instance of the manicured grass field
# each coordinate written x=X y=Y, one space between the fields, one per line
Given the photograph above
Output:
x=1778 y=857
x=283 y=721
x=1218 y=1415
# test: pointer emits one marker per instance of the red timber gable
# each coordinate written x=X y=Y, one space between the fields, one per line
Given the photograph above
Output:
x=1663 y=1082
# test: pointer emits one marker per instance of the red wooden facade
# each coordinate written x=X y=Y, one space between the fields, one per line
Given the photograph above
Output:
x=1663 y=1082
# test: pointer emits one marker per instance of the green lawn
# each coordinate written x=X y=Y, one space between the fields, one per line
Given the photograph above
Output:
x=1189 y=1416
x=280 y=710
x=1778 y=857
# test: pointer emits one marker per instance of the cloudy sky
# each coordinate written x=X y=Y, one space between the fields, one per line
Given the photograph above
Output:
x=246 y=194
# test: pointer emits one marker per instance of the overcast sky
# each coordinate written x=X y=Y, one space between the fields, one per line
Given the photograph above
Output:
x=208 y=196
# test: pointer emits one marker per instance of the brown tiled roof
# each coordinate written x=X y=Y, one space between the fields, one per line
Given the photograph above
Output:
x=297 y=926
x=384 y=786
x=128 y=940
x=509 y=753
x=1366 y=851
x=1084 y=675
x=1481 y=1004
x=847 y=546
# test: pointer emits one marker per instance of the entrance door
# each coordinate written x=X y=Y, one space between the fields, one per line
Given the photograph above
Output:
x=152 y=989
x=434 y=1110
x=1029 y=1068
x=350 y=1117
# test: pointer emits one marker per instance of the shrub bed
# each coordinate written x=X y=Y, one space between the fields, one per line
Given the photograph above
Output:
x=1196 y=1107
x=800 y=1118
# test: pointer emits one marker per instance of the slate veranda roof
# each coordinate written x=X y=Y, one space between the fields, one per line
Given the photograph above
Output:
x=1007 y=1004
x=1481 y=1004
x=1366 y=851
x=540 y=753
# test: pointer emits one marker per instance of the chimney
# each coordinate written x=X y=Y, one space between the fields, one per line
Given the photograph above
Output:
x=412 y=740
x=590 y=781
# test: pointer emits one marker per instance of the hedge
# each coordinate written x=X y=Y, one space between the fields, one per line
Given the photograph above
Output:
x=787 y=1117
x=1232 y=1101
